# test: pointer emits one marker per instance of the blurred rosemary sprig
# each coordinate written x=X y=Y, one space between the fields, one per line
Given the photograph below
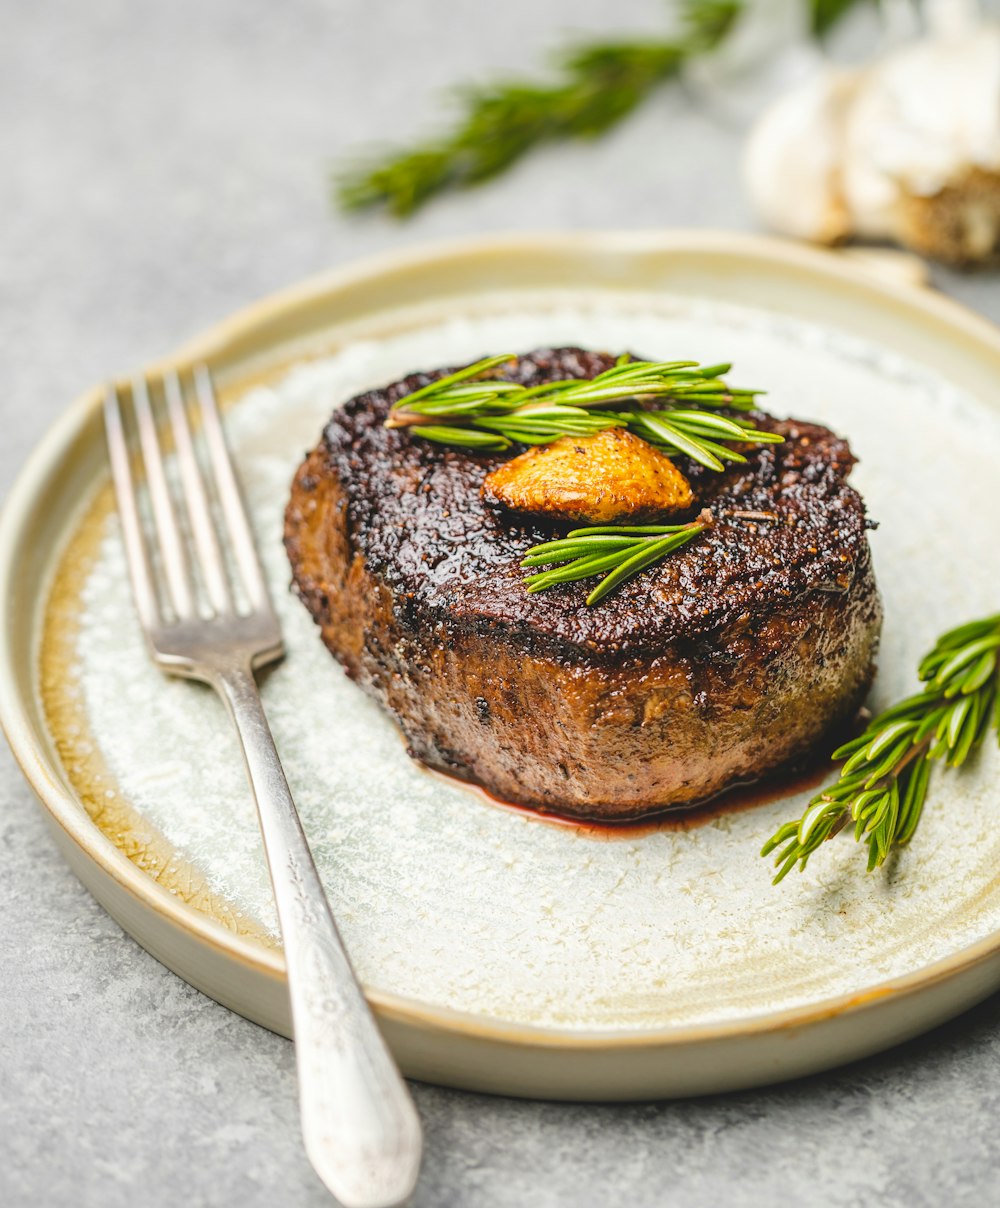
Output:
x=620 y=550
x=883 y=784
x=598 y=84
x=472 y=410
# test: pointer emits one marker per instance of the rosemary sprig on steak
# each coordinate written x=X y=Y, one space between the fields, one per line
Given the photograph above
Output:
x=471 y=409
x=621 y=550
x=883 y=784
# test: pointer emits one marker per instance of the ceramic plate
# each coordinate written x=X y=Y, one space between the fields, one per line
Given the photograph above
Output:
x=501 y=952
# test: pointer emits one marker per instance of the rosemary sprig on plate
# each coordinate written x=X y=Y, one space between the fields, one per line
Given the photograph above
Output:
x=883 y=784
x=598 y=85
x=620 y=550
x=476 y=411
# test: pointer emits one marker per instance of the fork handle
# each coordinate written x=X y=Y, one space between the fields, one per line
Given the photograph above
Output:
x=360 y=1127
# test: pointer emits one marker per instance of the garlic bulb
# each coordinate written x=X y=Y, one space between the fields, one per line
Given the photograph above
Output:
x=906 y=149
x=792 y=161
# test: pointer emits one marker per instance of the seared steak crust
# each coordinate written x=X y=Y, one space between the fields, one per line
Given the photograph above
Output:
x=732 y=657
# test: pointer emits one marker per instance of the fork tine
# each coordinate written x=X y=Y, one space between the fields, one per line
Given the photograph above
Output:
x=230 y=495
x=128 y=511
x=171 y=546
x=212 y=564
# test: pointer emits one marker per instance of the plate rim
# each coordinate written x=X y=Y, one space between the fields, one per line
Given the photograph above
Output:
x=70 y=817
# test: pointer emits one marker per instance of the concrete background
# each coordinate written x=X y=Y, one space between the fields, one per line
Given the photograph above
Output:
x=164 y=164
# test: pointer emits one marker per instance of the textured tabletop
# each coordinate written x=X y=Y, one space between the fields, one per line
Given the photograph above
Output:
x=163 y=165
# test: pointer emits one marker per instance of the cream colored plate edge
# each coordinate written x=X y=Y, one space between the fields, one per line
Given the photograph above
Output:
x=436 y=1044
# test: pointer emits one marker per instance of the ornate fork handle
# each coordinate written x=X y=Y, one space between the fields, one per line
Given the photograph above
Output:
x=359 y=1124
x=360 y=1128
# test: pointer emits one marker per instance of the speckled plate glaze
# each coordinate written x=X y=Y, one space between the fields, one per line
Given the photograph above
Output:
x=504 y=953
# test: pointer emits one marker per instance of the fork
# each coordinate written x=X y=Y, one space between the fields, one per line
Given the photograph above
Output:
x=360 y=1128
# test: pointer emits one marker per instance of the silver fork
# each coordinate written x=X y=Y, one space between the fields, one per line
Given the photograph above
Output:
x=360 y=1127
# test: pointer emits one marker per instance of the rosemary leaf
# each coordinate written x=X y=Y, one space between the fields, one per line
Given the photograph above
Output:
x=476 y=370
x=467 y=437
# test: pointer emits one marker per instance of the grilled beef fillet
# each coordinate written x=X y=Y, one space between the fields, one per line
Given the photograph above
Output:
x=733 y=657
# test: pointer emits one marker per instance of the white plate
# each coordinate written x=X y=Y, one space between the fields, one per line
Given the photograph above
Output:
x=505 y=953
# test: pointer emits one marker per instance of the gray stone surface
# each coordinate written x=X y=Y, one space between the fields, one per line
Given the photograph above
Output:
x=164 y=164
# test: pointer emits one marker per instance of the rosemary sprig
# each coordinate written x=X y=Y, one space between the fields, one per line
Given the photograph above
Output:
x=599 y=84
x=474 y=411
x=883 y=784
x=621 y=550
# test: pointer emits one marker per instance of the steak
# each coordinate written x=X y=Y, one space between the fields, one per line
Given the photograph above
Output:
x=733 y=657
